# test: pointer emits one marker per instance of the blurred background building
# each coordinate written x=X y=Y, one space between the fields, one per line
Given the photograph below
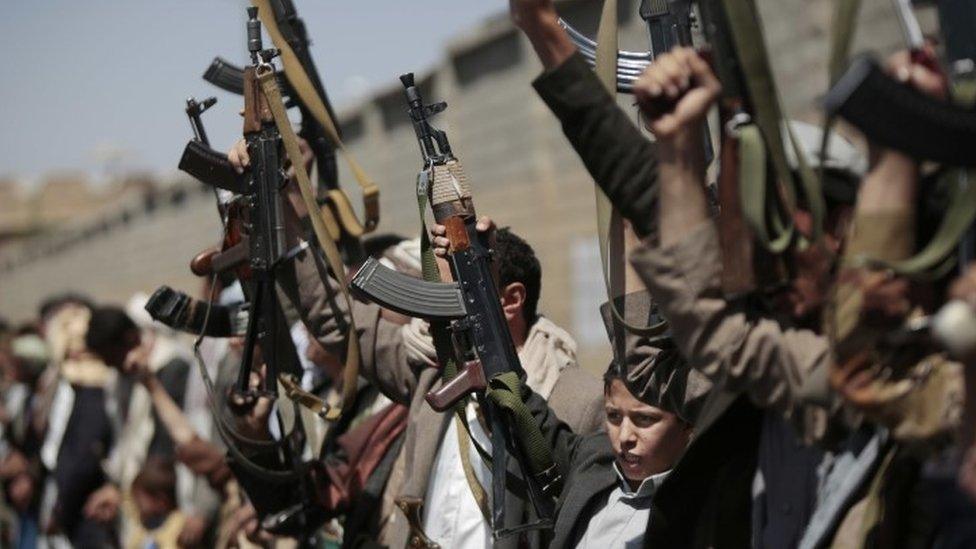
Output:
x=139 y=231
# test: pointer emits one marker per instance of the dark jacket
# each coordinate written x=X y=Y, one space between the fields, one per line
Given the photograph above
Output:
x=706 y=501
x=586 y=463
x=87 y=441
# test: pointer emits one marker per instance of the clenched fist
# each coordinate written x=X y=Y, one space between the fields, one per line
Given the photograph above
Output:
x=676 y=92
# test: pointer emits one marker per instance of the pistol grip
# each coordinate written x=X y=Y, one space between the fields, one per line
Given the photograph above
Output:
x=202 y=263
x=471 y=378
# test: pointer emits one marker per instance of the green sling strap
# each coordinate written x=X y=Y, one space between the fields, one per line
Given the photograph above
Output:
x=505 y=390
x=774 y=228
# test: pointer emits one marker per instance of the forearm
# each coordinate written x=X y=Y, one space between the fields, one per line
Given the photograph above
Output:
x=550 y=41
x=169 y=412
x=621 y=161
x=681 y=169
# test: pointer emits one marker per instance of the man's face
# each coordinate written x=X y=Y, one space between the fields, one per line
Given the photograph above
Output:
x=646 y=440
x=115 y=354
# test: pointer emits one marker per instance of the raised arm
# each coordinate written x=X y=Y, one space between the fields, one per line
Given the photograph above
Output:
x=620 y=159
x=870 y=303
x=722 y=339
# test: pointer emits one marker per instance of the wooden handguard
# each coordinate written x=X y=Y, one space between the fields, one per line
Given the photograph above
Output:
x=202 y=263
x=736 y=240
x=449 y=192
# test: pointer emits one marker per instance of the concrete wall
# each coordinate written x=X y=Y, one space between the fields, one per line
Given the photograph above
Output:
x=522 y=171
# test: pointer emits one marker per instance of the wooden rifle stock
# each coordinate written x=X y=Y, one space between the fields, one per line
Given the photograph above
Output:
x=735 y=238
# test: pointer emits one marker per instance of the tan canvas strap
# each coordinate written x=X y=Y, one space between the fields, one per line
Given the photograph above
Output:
x=843 y=25
x=327 y=241
x=302 y=85
x=609 y=222
x=768 y=223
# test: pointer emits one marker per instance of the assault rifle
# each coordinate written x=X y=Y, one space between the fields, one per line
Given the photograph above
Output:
x=229 y=77
x=901 y=117
x=174 y=308
x=466 y=315
x=272 y=473
x=669 y=24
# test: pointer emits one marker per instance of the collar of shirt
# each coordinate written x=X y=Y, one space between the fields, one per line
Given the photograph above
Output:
x=647 y=487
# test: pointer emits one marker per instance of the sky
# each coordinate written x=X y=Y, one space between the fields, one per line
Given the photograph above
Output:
x=99 y=86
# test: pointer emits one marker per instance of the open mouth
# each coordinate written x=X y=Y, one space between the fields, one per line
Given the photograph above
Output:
x=629 y=459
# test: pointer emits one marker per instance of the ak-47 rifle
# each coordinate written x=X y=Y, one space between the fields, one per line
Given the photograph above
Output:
x=896 y=115
x=174 y=308
x=229 y=77
x=466 y=317
x=272 y=473
x=669 y=24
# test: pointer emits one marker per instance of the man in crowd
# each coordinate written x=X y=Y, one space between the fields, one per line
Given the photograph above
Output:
x=442 y=466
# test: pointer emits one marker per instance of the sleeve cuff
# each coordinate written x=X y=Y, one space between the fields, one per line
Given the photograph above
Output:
x=563 y=87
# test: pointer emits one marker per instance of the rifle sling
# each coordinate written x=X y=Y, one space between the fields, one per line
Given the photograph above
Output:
x=750 y=46
x=609 y=222
x=327 y=240
x=935 y=259
x=302 y=85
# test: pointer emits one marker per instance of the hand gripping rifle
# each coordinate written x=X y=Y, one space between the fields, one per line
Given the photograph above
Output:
x=303 y=88
x=669 y=24
x=278 y=482
x=895 y=115
x=466 y=319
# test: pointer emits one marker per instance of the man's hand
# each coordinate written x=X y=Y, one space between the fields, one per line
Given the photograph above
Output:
x=241 y=160
x=964 y=287
x=136 y=363
x=103 y=505
x=238 y=157
x=194 y=529
x=253 y=411
x=917 y=75
x=676 y=92
x=540 y=23
x=440 y=244
x=530 y=15
x=245 y=521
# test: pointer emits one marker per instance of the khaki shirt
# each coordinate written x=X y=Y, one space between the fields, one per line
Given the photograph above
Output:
x=912 y=389
x=778 y=366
